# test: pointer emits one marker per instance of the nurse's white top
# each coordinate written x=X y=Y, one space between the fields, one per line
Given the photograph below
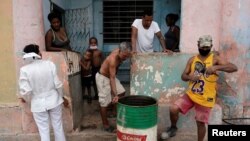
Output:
x=39 y=80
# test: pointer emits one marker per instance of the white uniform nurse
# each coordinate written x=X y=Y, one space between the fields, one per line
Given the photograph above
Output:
x=39 y=83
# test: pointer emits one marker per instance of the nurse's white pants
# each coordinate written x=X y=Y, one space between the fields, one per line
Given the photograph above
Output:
x=42 y=120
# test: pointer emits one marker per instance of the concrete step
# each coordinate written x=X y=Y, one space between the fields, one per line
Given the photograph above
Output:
x=182 y=136
x=89 y=135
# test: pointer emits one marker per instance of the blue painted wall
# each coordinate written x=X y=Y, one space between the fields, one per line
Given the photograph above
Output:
x=161 y=9
x=158 y=74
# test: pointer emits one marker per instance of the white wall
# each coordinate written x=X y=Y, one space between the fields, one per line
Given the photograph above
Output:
x=200 y=17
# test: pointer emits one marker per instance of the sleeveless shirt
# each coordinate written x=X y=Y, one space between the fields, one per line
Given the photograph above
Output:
x=171 y=40
x=203 y=91
x=56 y=42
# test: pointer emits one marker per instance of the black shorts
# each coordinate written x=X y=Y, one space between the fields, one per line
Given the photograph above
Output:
x=86 y=81
x=94 y=71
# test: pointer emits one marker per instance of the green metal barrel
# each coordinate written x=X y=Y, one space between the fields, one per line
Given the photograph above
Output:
x=137 y=118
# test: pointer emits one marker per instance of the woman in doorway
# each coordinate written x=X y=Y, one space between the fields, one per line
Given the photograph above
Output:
x=56 y=38
x=172 y=37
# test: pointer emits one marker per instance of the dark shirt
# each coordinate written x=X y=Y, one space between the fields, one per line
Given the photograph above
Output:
x=56 y=42
x=172 y=42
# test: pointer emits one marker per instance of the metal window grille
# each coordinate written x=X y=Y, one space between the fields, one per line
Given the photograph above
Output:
x=77 y=24
x=118 y=16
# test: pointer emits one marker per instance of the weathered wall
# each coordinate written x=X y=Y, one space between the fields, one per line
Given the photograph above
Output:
x=225 y=20
x=9 y=121
x=61 y=65
x=77 y=99
x=25 y=124
x=158 y=75
x=199 y=17
x=235 y=46
x=28 y=29
x=235 y=42
x=7 y=69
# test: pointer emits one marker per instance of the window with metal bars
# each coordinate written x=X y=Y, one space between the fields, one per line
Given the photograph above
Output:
x=118 y=16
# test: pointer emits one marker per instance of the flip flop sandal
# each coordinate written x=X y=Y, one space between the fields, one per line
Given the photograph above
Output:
x=110 y=129
x=111 y=116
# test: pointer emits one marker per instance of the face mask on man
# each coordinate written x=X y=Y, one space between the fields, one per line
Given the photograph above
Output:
x=30 y=57
x=204 y=52
x=93 y=47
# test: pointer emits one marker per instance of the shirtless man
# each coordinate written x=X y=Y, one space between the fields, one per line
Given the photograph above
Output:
x=109 y=87
x=96 y=61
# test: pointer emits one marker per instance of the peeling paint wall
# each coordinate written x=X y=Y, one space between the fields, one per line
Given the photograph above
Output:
x=158 y=75
x=235 y=46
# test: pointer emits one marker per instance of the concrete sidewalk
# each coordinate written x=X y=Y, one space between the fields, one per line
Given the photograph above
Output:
x=91 y=128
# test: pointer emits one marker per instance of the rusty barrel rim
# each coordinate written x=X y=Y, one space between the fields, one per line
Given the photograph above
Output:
x=137 y=111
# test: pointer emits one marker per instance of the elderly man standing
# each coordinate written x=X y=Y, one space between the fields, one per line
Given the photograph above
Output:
x=109 y=87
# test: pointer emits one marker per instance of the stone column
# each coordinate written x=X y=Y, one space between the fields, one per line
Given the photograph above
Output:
x=28 y=28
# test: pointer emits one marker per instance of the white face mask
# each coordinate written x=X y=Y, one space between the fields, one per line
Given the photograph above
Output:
x=93 y=47
x=30 y=57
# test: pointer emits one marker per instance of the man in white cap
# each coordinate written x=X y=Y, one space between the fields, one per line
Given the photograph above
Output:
x=201 y=74
x=39 y=80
